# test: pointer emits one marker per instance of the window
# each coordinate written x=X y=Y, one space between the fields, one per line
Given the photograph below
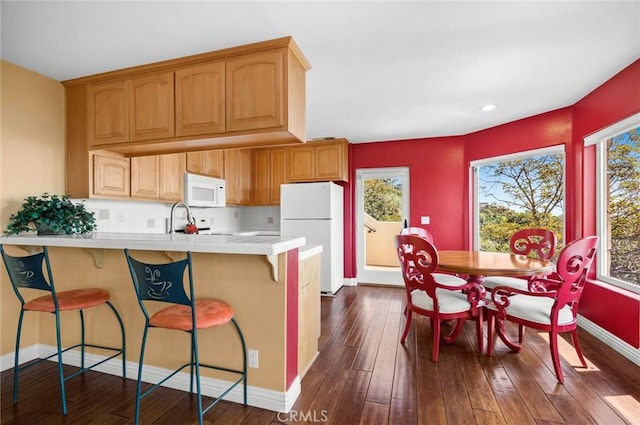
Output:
x=618 y=202
x=517 y=191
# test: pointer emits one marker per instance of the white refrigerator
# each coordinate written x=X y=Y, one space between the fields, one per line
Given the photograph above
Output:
x=315 y=211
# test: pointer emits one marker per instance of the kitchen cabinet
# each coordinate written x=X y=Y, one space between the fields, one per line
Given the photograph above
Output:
x=241 y=97
x=131 y=110
x=269 y=172
x=158 y=177
x=108 y=112
x=200 y=99
x=111 y=175
x=255 y=91
x=151 y=107
x=318 y=161
x=208 y=163
x=237 y=169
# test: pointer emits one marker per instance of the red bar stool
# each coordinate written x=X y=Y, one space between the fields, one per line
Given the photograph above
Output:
x=27 y=272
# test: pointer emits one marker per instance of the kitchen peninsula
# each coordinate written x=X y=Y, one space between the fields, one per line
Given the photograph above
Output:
x=257 y=275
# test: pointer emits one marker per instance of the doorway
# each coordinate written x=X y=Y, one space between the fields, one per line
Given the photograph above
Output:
x=382 y=209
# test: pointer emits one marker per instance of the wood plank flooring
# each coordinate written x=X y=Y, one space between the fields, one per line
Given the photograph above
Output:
x=363 y=375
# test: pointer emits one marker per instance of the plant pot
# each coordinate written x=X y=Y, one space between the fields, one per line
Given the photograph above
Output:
x=44 y=229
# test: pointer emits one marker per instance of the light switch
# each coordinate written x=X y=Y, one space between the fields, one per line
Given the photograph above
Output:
x=425 y=219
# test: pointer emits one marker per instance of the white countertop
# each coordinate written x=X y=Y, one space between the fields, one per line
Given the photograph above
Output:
x=307 y=251
x=222 y=244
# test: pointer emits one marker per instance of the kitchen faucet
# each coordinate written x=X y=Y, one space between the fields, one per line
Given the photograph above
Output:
x=190 y=218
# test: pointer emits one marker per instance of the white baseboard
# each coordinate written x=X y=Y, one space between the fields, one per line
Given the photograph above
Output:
x=350 y=281
x=628 y=351
x=256 y=396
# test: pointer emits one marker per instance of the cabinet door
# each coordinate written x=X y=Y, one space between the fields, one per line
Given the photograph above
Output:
x=329 y=162
x=172 y=167
x=151 y=107
x=108 y=113
x=237 y=169
x=145 y=177
x=214 y=163
x=196 y=162
x=255 y=91
x=111 y=176
x=261 y=177
x=301 y=163
x=278 y=174
x=200 y=99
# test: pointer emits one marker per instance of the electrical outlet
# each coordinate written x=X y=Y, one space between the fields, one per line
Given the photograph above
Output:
x=151 y=223
x=121 y=217
x=269 y=220
x=236 y=214
x=103 y=214
x=253 y=358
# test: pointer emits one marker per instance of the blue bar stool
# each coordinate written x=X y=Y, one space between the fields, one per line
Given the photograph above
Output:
x=28 y=273
x=166 y=283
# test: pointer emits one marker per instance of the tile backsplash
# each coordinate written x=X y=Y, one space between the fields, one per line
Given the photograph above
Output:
x=152 y=217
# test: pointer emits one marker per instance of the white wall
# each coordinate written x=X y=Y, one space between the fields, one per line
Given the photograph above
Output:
x=151 y=217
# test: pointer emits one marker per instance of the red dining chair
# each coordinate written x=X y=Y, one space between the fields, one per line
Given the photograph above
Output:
x=537 y=242
x=540 y=243
x=443 y=278
x=426 y=296
x=549 y=304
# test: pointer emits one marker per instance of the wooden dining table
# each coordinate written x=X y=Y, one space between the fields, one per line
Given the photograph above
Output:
x=478 y=264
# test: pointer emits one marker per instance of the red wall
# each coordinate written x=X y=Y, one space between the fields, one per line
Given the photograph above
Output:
x=436 y=177
x=440 y=182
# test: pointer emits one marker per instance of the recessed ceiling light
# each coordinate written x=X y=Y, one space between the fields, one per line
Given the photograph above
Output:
x=489 y=107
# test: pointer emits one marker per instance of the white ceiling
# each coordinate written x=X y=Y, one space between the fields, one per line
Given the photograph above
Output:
x=382 y=70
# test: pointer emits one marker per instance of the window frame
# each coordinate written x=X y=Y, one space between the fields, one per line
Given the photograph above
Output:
x=599 y=139
x=473 y=170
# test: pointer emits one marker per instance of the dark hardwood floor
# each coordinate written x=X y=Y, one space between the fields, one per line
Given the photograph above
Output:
x=363 y=375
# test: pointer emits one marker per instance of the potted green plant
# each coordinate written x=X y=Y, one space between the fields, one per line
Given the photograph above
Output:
x=51 y=214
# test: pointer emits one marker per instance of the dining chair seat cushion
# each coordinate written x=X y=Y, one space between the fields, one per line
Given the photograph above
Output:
x=73 y=299
x=448 y=279
x=535 y=309
x=209 y=313
x=448 y=301
x=491 y=282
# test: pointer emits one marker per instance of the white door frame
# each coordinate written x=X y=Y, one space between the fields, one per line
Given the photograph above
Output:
x=390 y=276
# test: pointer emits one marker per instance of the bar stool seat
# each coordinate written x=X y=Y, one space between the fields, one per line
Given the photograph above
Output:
x=73 y=299
x=208 y=313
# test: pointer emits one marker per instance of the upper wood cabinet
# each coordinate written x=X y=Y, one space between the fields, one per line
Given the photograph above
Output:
x=151 y=110
x=269 y=172
x=237 y=174
x=158 y=177
x=200 y=99
x=247 y=96
x=208 y=163
x=107 y=112
x=319 y=161
x=131 y=110
x=255 y=91
x=111 y=175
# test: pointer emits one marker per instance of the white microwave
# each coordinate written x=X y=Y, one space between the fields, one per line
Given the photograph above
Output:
x=202 y=191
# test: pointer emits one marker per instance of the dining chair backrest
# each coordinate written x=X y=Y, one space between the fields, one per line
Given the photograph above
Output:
x=537 y=242
x=574 y=262
x=418 y=259
x=420 y=231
